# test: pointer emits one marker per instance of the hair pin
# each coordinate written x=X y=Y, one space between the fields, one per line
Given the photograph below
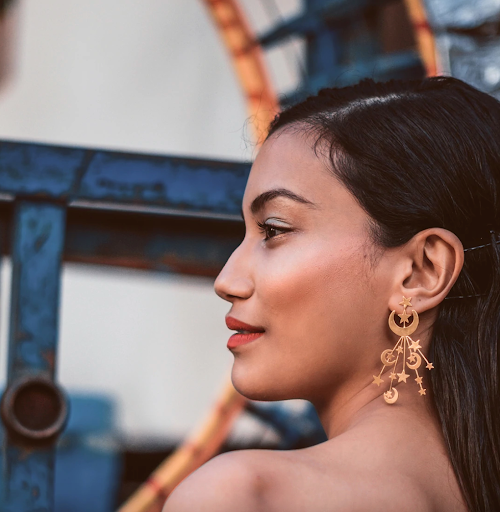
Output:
x=492 y=233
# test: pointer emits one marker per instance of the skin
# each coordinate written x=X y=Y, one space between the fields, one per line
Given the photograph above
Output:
x=314 y=280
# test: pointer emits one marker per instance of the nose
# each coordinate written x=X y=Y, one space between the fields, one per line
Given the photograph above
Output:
x=235 y=279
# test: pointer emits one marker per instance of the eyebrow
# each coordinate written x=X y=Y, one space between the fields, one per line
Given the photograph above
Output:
x=259 y=202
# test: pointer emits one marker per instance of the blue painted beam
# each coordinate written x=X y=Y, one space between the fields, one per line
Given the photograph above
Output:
x=164 y=243
x=318 y=13
x=181 y=185
x=36 y=266
x=405 y=64
x=157 y=243
x=28 y=479
x=301 y=25
x=37 y=246
x=402 y=65
x=325 y=50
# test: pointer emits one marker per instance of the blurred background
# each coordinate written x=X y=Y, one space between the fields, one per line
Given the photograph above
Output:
x=141 y=351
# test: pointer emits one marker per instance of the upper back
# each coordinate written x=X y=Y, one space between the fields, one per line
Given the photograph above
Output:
x=351 y=473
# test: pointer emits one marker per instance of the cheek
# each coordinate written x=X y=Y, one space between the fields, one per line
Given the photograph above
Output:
x=304 y=300
x=309 y=288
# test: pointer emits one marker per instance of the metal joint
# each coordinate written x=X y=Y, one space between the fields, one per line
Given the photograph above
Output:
x=34 y=409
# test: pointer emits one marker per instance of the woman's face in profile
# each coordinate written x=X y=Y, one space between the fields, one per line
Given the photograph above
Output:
x=306 y=274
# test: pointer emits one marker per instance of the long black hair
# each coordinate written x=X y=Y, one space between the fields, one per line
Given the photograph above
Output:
x=421 y=154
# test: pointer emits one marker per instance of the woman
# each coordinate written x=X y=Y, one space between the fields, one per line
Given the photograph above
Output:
x=363 y=201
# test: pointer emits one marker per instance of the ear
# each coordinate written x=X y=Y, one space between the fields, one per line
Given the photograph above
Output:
x=432 y=261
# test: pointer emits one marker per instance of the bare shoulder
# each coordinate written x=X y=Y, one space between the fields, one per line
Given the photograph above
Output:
x=232 y=481
x=270 y=481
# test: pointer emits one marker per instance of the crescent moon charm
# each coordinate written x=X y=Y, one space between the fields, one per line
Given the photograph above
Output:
x=405 y=345
x=391 y=396
x=416 y=364
x=403 y=331
x=384 y=357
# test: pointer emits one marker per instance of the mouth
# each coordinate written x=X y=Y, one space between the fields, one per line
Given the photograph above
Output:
x=246 y=333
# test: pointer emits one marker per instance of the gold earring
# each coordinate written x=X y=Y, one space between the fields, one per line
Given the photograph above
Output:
x=405 y=343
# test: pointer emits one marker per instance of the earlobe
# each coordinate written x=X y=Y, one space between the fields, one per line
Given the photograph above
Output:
x=436 y=257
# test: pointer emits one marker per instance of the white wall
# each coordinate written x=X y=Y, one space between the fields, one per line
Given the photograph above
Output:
x=145 y=75
x=138 y=75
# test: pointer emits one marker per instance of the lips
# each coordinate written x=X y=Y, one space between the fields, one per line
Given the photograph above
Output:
x=246 y=332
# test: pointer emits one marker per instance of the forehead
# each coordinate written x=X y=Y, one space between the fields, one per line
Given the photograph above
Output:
x=288 y=160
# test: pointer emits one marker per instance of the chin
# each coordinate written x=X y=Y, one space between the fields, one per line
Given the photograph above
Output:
x=258 y=386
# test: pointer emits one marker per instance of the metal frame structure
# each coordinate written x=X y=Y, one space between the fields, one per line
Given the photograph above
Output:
x=343 y=45
x=70 y=204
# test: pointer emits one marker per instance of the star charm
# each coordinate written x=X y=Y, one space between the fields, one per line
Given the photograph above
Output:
x=415 y=345
x=392 y=376
x=422 y=391
x=402 y=376
x=430 y=366
x=405 y=302
x=404 y=316
x=419 y=380
x=377 y=380
x=399 y=350
x=412 y=358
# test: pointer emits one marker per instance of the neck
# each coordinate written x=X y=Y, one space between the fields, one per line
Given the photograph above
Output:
x=345 y=410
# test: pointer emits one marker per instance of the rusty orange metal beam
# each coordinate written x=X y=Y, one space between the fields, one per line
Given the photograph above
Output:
x=423 y=34
x=248 y=61
x=201 y=446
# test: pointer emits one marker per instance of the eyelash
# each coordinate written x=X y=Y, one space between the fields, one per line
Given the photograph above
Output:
x=265 y=228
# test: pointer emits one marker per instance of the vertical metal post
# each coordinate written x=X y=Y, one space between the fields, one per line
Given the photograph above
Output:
x=33 y=409
x=323 y=52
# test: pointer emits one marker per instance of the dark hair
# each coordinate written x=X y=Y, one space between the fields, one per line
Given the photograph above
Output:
x=421 y=154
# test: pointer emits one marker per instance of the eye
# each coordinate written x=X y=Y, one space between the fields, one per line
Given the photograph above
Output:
x=271 y=230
